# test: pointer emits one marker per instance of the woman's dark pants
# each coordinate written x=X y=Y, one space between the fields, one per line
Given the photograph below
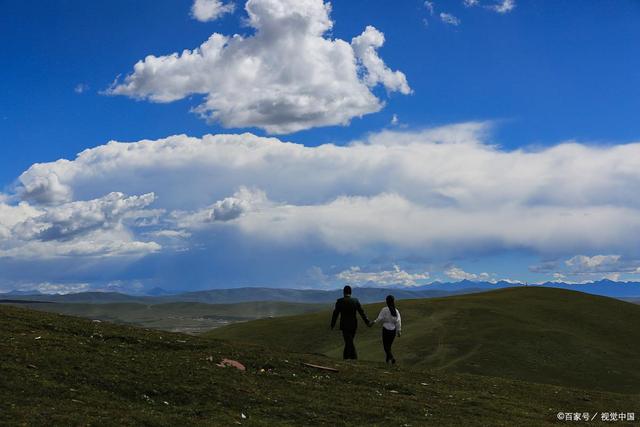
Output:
x=387 y=341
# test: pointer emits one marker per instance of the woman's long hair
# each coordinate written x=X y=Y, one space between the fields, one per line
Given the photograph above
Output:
x=391 y=303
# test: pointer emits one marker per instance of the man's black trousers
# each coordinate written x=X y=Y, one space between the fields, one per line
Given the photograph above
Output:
x=349 y=348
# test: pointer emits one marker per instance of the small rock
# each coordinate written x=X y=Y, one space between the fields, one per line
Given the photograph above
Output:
x=232 y=363
x=166 y=403
x=243 y=416
x=32 y=367
x=37 y=338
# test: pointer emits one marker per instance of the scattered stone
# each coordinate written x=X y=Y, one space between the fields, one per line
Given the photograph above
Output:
x=96 y=321
x=243 y=416
x=32 y=367
x=323 y=368
x=393 y=391
x=166 y=403
x=37 y=338
x=232 y=364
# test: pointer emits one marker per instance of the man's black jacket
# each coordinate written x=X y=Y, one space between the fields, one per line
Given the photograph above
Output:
x=346 y=308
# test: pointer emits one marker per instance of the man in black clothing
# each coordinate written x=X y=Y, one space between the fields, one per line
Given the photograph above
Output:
x=346 y=308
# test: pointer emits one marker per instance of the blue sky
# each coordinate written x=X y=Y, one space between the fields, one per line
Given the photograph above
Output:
x=531 y=77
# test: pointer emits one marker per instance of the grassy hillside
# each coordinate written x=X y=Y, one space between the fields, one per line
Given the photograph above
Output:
x=180 y=316
x=58 y=370
x=240 y=295
x=533 y=334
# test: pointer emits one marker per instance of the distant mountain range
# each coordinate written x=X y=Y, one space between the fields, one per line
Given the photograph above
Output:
x=624 y=290
x=603 y=287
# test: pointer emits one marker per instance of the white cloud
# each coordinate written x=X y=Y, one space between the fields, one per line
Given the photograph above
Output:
x=471 y=3
x=505 y=6
x=395 y=121
x=52 y=288
x=242 y=202
x=365 y=47
x=457 y=273
x=582 y=263
x=81 y=228
x=67 y=221
x=210 y=10
x=430 y=7
x=81 y=88
x=449 y=19
x=583 y=268
x=612 y=276
x=442 y=191
x=43 y=188
x=397 y=276
x=286 y=77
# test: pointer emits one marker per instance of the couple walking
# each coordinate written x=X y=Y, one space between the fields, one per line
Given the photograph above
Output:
x=346 y=308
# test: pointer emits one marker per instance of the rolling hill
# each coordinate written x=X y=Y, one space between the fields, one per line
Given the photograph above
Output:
x=60 y=370
x=236 y=295
x=190 y=317
x=532 y=334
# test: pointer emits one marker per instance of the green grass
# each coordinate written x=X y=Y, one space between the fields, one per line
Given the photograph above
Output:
x=61 y=370
x=533 y=334
x=85 y=373
x=190 y=317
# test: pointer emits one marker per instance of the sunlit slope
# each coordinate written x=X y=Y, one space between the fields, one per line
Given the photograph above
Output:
x=534 y=334
x=59 y=370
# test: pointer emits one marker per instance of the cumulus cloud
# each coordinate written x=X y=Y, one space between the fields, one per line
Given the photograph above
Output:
x=471 y=3
x=456 y=273
x=582 y=268
x=286 y=77
x=504 y=6
x=43 y=188
x=70 y=220
x=449 y=19
x=397 y=276
x=210 y=10
x=366 y=47
x=441 y=191
x=430 y=6
x=240 y=203
x=582 y=263
x=81 y=228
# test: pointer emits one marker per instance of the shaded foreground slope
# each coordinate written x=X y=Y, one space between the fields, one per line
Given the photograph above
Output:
x=533 y=334
x=60 y=370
